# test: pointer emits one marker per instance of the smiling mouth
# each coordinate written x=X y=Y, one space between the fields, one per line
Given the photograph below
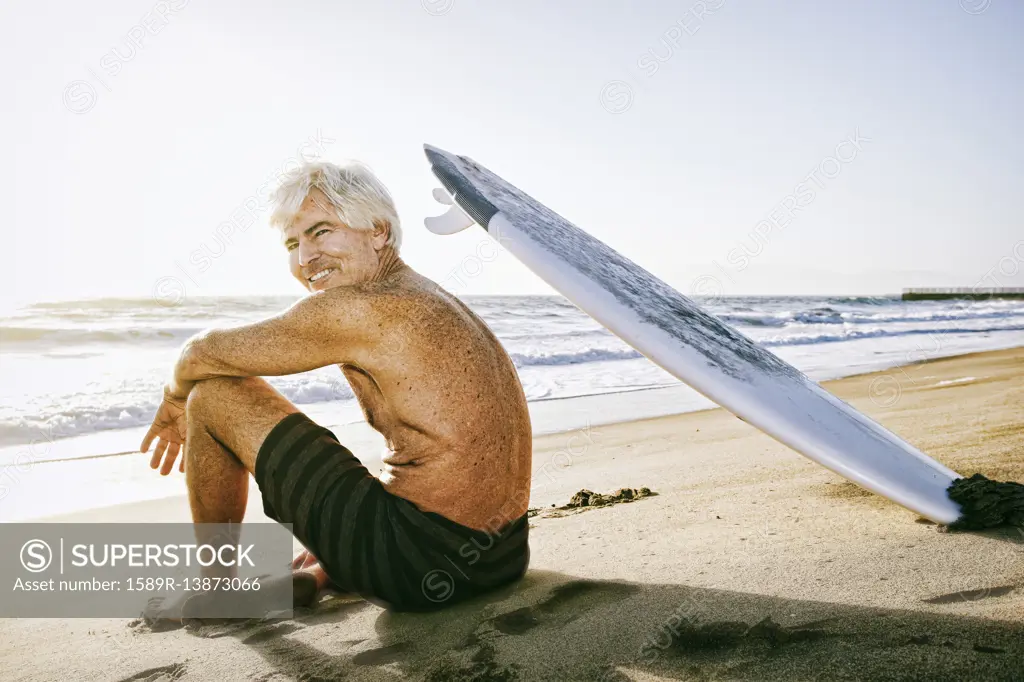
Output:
x=320 y=275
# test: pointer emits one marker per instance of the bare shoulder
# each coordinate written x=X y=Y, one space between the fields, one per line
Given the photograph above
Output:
x=419 y=307
x=393 y=313
x=387 y=301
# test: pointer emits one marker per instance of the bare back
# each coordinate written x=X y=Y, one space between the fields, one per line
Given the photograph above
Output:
x=446 y=397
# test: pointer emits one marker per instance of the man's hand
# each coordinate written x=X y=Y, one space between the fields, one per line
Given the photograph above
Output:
x=169 y=428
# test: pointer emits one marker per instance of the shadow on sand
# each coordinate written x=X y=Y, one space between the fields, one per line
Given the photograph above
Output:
x=552 y=626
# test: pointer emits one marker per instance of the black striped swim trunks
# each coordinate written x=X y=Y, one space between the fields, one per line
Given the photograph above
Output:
x=371 y=542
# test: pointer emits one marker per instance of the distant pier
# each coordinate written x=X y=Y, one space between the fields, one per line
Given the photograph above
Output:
x=973 y=293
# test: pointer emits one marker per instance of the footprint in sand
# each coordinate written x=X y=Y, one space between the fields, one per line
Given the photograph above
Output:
x=562 y=606
x=971 y=595
x=383 y=655
x=164 y=673
x=272 y=632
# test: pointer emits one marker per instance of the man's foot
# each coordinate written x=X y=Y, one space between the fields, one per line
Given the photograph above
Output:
x=171 y=613
x=308 y=579
x=209 y=607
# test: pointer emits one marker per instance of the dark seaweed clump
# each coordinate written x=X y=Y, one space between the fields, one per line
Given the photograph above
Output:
x=588 y=498
x=985 y=503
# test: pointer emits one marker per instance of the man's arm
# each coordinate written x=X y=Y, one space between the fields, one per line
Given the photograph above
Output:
x=327 y=328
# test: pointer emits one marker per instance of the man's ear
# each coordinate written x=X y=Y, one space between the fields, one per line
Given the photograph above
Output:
x=381 y=232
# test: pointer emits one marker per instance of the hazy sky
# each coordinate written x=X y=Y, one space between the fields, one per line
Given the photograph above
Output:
x=883 y=139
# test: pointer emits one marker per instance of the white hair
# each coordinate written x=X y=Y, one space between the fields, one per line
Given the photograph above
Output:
x=357 y=196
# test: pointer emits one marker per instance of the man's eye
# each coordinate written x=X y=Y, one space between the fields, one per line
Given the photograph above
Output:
x=291 y=247
x=321 y=231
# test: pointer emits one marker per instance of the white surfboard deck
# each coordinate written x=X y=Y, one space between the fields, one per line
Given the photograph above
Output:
x=694 y=346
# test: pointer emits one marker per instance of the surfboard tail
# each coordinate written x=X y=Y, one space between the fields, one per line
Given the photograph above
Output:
x=470 y=200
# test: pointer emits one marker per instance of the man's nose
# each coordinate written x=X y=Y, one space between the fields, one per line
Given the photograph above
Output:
x=307 y=254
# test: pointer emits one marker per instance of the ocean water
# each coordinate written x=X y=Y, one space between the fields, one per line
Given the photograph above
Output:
x=80 y=367
x=80 y=380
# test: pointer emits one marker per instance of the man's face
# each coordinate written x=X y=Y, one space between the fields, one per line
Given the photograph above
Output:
x=321 y=246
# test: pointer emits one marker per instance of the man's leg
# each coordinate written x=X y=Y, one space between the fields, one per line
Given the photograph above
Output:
x=228 y=421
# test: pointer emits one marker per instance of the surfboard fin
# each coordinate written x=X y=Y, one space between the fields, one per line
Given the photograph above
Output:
x=442 y=197
x=452 y=221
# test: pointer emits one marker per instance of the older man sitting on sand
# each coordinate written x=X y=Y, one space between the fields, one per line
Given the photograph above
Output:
x=429 y=375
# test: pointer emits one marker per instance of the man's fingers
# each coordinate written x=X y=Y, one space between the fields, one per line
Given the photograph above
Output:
x=150 y=435
x=169 y=461
x=158 y=454
x=174 y=449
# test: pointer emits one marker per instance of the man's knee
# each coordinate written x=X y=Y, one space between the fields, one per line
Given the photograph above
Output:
x=238 y=412
x=209 y=393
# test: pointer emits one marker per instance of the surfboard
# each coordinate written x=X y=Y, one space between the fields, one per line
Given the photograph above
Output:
x=696 y=347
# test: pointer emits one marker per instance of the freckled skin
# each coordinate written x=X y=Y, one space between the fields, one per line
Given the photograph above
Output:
x=428 y=373
x=447 y=399
x=438 y=385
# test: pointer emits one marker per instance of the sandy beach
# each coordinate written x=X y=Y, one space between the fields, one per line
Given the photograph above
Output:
x=750 y=562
